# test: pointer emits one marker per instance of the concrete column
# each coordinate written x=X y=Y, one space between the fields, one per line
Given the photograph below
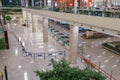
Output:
x=26 y=3
x=33 y=26
x=103 y=2
x=73 y=47
x=45 y=3
x=94 y=3
x=32 y=3
x=26 y=19
x=21 y=3
x=53 y=4
x=24 y=15
x=75 y=6
x=0 y=2
x=40 y=3
x=45 y=29
x=110 y=3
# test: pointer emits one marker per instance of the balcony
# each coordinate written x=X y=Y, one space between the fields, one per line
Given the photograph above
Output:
x=107 y=12
x=81 y=20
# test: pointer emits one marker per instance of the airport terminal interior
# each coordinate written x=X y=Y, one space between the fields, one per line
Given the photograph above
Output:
x=83 y=32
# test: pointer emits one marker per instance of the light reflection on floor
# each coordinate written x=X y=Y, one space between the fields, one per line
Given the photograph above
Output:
x=33 y=42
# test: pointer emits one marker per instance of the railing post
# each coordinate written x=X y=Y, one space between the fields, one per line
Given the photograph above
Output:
x=99 y=66
x=90 y=59
x=111 y=74
x=82 y=48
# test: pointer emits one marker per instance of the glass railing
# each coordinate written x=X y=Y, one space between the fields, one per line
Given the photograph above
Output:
x=11 y=10
x=107 y=12
x=2 y=7
x=100 y=12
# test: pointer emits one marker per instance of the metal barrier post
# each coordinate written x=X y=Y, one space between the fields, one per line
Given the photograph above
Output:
x=90 y=60
x=44 y=55
x=99 y=66
x=111 y=74
x=82 y=51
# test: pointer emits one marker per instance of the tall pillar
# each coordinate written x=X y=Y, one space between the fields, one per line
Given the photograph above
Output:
x=110 y=3
x=106 y=3
x=94 y=3
x=83 y=4
x=53 y=4
x=32 y=3
x=0 y=2
x=26 y=3
x=40 y=3
x=45 y=29
x=26 y=18
x=33 y=26
x=103 y=2
x=21 y=1
x=73 y=48
x=45 y=3
x=75 y=6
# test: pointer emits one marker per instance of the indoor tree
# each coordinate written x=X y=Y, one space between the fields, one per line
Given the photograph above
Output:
x=63 y=71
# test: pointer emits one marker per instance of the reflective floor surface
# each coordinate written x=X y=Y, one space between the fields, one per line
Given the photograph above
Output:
x=21 y=67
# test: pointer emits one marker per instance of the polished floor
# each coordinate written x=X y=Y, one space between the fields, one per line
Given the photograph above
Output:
x=22 y=67
x=92 y=49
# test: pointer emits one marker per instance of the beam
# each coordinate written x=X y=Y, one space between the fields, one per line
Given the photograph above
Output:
x=101 y=22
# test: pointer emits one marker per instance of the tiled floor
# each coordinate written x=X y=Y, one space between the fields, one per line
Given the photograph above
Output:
x=20 y=67
x=107 y=60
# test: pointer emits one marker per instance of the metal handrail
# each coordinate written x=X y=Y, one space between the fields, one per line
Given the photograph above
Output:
x=97 y=68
